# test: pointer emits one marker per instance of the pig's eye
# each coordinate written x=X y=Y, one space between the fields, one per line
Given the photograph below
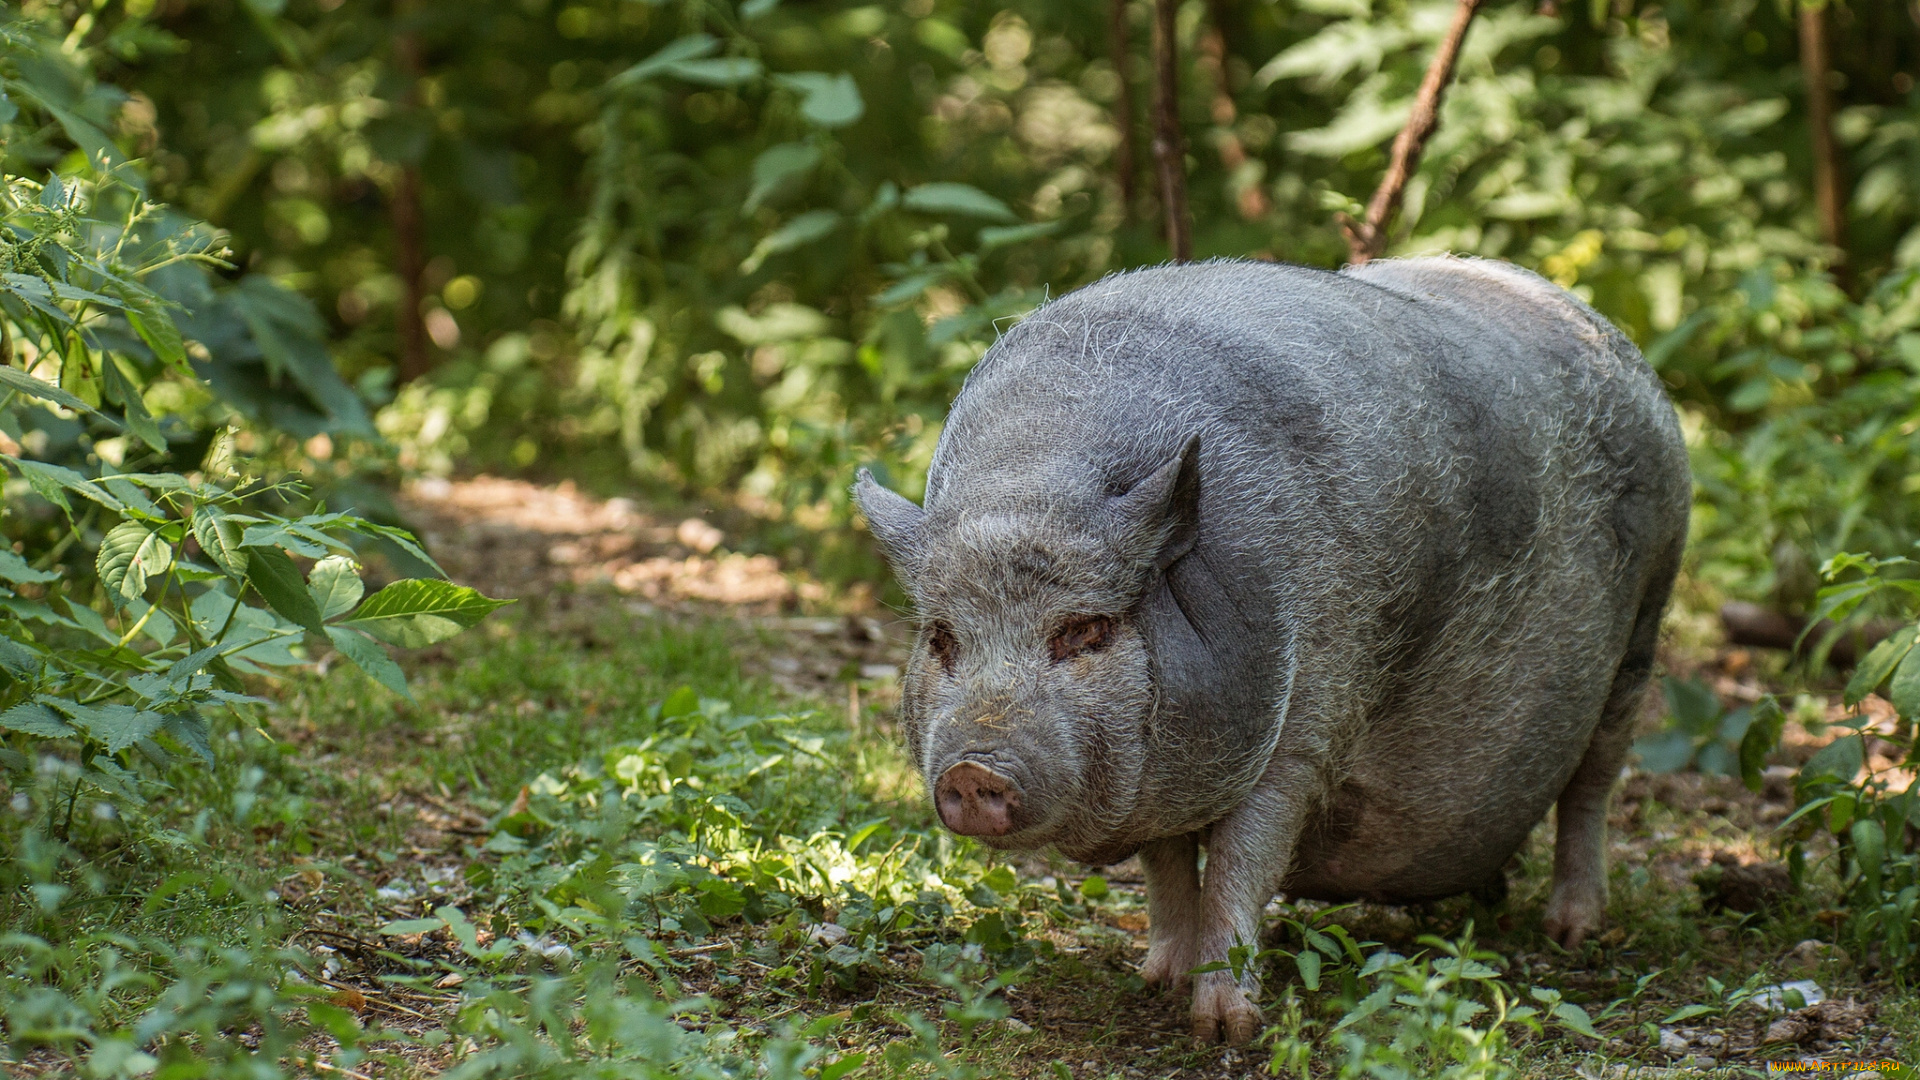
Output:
x=943 y=645
x=1082 y=635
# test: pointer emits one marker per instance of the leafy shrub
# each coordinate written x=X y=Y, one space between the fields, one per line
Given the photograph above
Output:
x=1846 y=789
x=1704 y=734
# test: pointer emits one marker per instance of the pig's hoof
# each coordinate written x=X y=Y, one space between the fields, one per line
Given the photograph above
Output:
x=1222 y=1010
x=1573 y=914
x=1168 y=964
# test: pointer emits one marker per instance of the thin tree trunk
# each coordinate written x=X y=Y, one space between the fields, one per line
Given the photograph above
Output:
x=1814 y=66
x=1169 y=148
x=1366 y=239
x=1251 y=201
x=409 y=228
x=410 y=260
x=1126 y=156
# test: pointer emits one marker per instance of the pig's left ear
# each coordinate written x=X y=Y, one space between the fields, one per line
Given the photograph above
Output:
x=1158 y=520
x=894 y=520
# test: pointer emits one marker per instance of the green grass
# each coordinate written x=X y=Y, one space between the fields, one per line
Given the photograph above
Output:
x=593 y=847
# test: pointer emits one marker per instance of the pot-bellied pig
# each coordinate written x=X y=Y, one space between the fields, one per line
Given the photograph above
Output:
x=1346 y=577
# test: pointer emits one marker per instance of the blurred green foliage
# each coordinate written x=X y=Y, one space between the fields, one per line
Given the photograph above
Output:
x=740 y=251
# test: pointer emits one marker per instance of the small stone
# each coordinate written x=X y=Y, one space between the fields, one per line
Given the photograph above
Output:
x=828 y=933
x=1810 y=954
x=1672 y=1042
x=1019 y=1027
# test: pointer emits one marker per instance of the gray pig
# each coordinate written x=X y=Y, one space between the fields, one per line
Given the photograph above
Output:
x=1345 y=576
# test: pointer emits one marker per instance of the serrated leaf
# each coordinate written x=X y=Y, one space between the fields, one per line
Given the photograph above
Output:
x=17 y=659
x=12 y=378
x=130 y=554
x=962 y=199
x=16 y=569
x=273 y=575
x=368 y=656
x=34 y=718
x=190 y=729
x=287 y=535
x=219 y=536
x=335 y=584
x=1576 y=1018
x=1880 y=662
x=420 y=611
x=118 y=726
x=157 y=329
x=52 y=482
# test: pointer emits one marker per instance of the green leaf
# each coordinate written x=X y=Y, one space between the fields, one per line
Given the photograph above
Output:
x=190 y=729
x=1839 y=759
x=1095 y=888
x=802 y=230
x=35 y=719
x=274 y=576
x=18 y=660
x=118 y=726
x=130 y=554
x=53 y=481
x=1576 y=1018
x=1665 y=752
x=1688 y=1012
x=775 y=167
x=691 y=47
x=156 y=327
x=1694 y=705
x=961 y=199
x=999 y=236
x=368 y=656
x=306 y=542
x=410 y=926
x=13 y=378
x=219 y=536
x=15 y=569
x=1308 y=962
x=1904 y=690
x=123 y=392
x=830 y=101
x=724 y=71
x=421 y=611
x=335 y=584
x=1878 y=664
x=1760 y=739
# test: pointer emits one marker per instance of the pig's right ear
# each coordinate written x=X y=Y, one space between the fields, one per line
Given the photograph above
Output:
x=1158 y=519
x=894 y=521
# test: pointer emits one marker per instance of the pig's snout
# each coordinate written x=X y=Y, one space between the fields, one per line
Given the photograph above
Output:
x=973 y=800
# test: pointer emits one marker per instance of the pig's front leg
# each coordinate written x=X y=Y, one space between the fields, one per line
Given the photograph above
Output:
x=1248 y=852
x=1172 y=869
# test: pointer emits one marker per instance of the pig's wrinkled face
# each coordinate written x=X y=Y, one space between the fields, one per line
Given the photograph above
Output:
x=1029 y=700
x=1029 y=691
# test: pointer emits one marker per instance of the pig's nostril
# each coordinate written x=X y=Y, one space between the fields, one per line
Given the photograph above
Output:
x=973 y=800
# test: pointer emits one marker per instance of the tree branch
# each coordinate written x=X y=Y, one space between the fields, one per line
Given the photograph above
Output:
x=409 y=230
x=1814 y=66
x=1169 y=147
x=1126 y=156
x=1366 y=239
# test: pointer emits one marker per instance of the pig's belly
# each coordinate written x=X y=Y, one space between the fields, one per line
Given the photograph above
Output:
x=1416 y=826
